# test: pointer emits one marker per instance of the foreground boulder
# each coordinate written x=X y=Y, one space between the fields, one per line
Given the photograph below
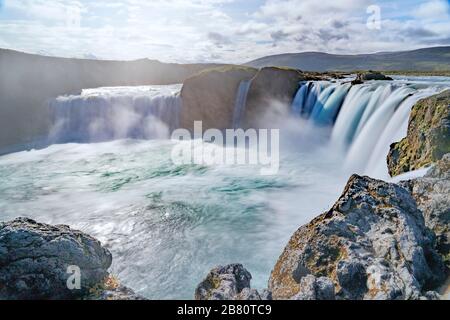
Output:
x=428 y=138
x=38 y=261
x=231 y=282
x=432 y=194
x=35 y=258
x=210 y=97
x=372 y=244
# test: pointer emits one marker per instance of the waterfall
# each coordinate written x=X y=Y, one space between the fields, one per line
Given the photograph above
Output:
x=299 y=99
x=115 y=113
x=364 y=119
x=241 y=100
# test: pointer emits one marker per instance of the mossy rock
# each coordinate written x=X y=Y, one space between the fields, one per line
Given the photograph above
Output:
x=428 y=138
x=210 y=96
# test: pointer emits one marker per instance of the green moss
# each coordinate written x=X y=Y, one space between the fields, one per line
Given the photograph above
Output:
x=228 y=68
x=428 y=138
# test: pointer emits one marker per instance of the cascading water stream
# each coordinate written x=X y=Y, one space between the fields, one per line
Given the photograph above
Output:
x=116 y=113
x=364 y=119
x=241 y=100
x=166 y=224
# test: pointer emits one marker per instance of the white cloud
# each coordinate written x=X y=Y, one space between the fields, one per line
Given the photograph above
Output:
x=210 y=30
x=434 y=10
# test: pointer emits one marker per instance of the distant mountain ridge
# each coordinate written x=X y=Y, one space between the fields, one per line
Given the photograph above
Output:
x=427 y=59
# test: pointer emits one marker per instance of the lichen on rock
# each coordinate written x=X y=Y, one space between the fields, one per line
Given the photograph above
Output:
x=432 y=194
x=37 y=261
x=428 y=138
x=313 y=288
x=372 y=244
x=231 y=282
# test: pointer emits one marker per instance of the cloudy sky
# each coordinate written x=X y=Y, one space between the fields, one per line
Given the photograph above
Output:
x=232 y=31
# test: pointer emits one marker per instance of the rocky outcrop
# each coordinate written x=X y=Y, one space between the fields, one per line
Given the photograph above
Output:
x=111 y=289
x=372 y=244
x=271 y=93
x=210 y=97
x=40 y=261
x=313 y=288
x=370 y=75
x=432 y=194
x=231 y=282
x=428 y=138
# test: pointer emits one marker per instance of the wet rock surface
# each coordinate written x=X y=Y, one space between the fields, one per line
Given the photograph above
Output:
x=372 y=244
x=428 y=138
x=231 y=282
x=270 y=95
x=210 y=97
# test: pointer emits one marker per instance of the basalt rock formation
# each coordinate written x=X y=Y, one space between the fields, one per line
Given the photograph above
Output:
x=210 y=97
x=372 y=244
x=428 y=138
x=37 y=261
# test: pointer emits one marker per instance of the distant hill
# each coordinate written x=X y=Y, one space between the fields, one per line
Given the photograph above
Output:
x=428 y=59
x=28 y=81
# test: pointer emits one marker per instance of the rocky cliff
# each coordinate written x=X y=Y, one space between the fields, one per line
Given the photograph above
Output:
x=432 y=194
x=210 y=97
x=428 y=138
x=271 y=93
x=372 y=244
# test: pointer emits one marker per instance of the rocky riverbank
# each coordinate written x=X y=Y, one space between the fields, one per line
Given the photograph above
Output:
x=380 y=240
x=40 y=261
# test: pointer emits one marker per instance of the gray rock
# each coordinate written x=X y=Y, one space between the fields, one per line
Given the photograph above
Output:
x=35 y=258
x=313 y=288
x=370 y=75
x=117 y=293
x=431 y=295
x=372 y=244
x=231 y=282
x=248 y=294
x=432 y=196
x=428 y=138
x=266 y=295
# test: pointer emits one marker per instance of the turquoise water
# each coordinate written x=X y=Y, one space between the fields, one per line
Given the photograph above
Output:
x=168 y=225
